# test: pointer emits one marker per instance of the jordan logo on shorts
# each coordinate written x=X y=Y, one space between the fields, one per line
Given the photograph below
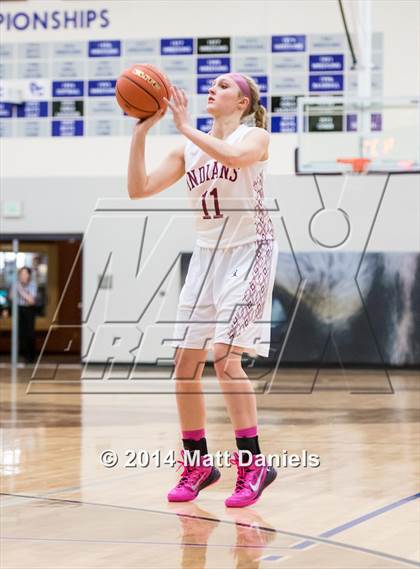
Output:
x=235 y=274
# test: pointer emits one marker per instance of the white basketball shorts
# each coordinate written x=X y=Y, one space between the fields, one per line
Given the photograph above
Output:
x=227 y=297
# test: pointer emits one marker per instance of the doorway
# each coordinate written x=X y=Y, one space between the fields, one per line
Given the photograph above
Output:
x=56 y=268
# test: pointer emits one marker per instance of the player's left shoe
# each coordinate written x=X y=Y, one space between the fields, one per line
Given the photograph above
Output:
x=193 y=480
x=251 y=481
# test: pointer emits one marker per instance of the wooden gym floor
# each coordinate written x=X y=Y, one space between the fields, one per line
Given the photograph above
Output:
x=61 y=508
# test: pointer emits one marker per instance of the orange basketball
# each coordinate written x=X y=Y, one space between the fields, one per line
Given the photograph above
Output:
x=140 y=90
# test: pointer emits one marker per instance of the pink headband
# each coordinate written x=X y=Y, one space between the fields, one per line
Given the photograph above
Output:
x=242 y=83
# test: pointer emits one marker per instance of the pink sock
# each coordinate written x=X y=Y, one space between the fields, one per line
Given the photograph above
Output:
x=248 y=433
x=194 y=435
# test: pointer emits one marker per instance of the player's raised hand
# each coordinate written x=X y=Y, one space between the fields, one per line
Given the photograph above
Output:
x=149 y=122
x=179 y=107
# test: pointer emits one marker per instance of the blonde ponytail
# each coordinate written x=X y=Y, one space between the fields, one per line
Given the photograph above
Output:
x=261 y=117
x=256 y=112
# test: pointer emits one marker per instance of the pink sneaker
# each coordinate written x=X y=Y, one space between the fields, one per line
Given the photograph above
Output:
x=250 y=483
x=193 y=480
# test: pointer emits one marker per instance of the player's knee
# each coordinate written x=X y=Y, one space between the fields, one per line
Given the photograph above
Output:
x=219 y=368
x=226 y=362
x=187 y=373
x=187 y=368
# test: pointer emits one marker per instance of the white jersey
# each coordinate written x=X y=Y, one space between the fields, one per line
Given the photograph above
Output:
x=228 y=201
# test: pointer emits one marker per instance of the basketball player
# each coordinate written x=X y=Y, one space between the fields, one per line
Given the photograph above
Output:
x=225 y=302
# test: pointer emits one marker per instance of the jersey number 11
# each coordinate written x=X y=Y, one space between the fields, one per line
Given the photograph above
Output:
x=216 y=205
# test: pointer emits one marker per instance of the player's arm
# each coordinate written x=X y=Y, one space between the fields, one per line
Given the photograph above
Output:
x=143 y=185
x=250 y=150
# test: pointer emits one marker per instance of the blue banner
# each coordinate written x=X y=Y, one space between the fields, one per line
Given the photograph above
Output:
x=204 y=124
x=285 y=123
x=326 y=82
x=375 y=122
x=176 y=46
x=6 y=110
x=67 y=128
x=207 y=65
x=204 y=84
x=33 y=109
x=288 y=43
x=262 y=82
x=264 y=102
x=105 y=48
x=326 y=62
x=68 y=89
x=351 y=122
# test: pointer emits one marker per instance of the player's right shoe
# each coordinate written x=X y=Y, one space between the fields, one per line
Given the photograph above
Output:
x=251 y=481
x=193 y=480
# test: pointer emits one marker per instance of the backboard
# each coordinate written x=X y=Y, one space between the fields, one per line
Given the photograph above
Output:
x=332 y=131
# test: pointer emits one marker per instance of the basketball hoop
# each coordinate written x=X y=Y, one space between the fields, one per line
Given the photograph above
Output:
x=358 y=165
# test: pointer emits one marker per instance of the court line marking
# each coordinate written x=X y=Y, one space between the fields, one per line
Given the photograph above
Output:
x=356 y=521
x=96 y=483
x=66 y=489
x=143 y=542
x=229 y=522
x=359 y=520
